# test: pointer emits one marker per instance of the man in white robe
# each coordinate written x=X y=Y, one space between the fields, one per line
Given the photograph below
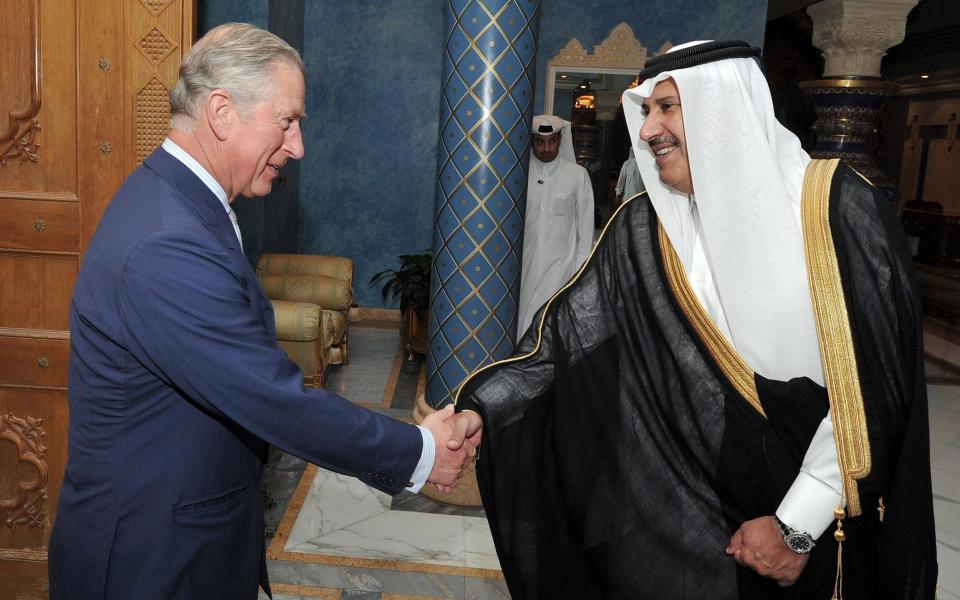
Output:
x=629 y=183
x=558 y=230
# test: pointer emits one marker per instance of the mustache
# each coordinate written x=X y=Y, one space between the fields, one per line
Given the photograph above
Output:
x=663 y=139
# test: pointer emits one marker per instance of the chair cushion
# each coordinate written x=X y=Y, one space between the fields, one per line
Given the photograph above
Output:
x=296 y=321
x=329 y=292
x=306 y=264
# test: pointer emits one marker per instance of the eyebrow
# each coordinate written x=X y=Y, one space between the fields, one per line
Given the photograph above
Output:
x=665 y=99
x=645 y=104
x=294 y=114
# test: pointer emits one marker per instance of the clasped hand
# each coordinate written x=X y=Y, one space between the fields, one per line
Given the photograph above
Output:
x=758 y=545
x=457 y=436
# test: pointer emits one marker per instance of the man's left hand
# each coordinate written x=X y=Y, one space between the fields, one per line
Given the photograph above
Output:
x=758 y=545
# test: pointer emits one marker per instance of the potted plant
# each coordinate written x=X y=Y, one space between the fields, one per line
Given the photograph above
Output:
x=410 y=284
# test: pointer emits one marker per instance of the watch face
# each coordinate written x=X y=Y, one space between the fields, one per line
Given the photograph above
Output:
x=799 y=542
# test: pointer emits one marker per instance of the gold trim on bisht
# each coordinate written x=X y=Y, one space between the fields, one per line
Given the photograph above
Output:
x=736 y=370
x=543 y=314
x=833 y=332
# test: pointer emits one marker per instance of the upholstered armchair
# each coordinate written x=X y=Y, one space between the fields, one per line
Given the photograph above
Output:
x=312 y=298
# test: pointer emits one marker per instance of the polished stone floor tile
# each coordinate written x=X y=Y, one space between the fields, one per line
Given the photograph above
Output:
x=486 y=589
x=947 y=512
x=343 y=517
x=364 y=379
x=943 y=594
x=423 y=504
x=367 y=580
x=949 y=559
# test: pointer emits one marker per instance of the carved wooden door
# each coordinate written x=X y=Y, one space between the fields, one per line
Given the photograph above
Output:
x=83 y=99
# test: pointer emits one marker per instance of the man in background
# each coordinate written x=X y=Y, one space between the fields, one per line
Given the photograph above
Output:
x=559 y=223
x=176 y=382
x=629 y=183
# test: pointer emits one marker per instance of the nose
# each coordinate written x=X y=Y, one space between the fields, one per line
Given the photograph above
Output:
x=650 y=128
x=293 y=143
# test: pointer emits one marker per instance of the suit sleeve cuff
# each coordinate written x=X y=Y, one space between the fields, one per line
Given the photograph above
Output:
x=425 y=465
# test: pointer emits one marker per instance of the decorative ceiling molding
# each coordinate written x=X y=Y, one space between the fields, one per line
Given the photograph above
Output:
x=621 y=50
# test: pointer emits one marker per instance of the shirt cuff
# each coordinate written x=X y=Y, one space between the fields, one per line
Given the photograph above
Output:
x=817 y=491
x=809 y=505
x=425 y=466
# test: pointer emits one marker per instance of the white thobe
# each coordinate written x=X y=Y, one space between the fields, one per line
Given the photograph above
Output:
x=557 y=233
x=629 y=183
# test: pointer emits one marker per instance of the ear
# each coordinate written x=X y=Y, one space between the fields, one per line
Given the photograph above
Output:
x=220 y=113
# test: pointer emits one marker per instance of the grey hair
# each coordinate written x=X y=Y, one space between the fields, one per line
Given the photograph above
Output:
x=236 y=57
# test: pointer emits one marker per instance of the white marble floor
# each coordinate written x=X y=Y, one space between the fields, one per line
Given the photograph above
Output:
x=945 y=467
x=342 y=540
x=344 y=517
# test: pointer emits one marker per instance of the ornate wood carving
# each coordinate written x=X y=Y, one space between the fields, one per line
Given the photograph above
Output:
x=152 y=114
x=18 y=138
x=156 y=46
x=28 y=507
x=156 y=6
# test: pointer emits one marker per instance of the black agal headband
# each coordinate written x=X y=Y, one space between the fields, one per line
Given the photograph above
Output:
x=697 y=55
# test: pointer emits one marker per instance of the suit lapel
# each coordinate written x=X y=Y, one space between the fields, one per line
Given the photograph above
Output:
x=202 y=200
x=209 y=210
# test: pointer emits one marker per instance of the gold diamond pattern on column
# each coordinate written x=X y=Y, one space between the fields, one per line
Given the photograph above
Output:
x=484 y=119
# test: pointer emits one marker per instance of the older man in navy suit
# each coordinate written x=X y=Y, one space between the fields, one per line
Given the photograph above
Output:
x=176 y=382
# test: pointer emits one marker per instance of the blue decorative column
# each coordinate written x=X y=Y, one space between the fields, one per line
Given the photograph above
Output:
x=485 y=111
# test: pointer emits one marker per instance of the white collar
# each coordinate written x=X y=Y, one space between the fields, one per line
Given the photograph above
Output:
x=191 y=163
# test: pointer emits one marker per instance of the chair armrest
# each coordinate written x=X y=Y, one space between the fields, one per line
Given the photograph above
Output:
x=296 y=321
x=306 y=264
x=330 y=293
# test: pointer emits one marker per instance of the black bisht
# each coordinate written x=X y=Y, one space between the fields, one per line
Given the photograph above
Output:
x=618 y=459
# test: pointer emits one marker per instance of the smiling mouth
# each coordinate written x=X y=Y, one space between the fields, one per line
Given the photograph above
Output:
x=662 y=146
x=274 y=167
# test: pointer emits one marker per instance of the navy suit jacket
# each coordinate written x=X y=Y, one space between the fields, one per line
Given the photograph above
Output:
x=176 y=386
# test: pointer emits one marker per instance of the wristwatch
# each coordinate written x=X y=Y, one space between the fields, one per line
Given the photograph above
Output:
x=800 y=542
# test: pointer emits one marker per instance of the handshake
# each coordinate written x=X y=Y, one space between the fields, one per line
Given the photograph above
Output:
x=457 y=437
